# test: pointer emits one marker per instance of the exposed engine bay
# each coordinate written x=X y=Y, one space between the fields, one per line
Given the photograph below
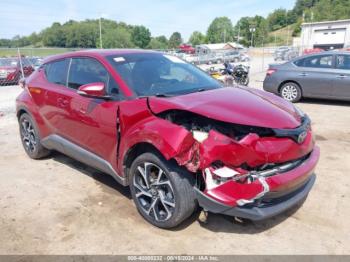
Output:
x=238 y=158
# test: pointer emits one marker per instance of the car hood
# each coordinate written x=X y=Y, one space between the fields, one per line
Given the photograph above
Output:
x=245 y=106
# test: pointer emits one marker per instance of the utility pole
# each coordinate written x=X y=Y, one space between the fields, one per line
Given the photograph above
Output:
x=101 y=46
x=239 y=31
x=224 y=35
x=252 y=30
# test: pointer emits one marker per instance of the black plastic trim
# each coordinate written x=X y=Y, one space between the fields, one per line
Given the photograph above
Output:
x=68 y=148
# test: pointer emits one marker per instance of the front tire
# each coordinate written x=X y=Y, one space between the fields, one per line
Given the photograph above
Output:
x=291 y=92
x=30 y=137
x=162 y=192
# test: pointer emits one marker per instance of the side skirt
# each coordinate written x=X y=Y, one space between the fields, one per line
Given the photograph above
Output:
x=56 y=142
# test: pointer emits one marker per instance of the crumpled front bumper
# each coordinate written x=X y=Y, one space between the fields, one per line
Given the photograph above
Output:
x=287 y=189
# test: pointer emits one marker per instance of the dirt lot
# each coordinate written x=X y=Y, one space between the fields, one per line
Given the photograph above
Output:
x=59 y=206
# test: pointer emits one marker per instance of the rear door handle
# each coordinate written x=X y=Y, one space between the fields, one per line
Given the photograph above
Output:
x=341 y=76
x=303 y=74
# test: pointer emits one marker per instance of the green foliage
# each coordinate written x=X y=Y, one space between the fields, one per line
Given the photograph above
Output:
x=175 y=40
x=197 y=38
x=118 y=37
x=140 y=36
x=244 y=26
x=220 y=30
x=277 y=19
x=159 y=42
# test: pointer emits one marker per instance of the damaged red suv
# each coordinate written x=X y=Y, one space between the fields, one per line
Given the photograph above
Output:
x=171 y=133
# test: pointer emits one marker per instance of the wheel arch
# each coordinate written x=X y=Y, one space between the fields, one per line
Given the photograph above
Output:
x=135 y=151
x=21 y=111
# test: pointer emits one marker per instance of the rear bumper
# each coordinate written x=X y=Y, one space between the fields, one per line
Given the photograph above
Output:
x=270 y=84
x=258 y=212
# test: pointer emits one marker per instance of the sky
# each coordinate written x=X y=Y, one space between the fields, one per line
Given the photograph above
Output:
x=162 y=17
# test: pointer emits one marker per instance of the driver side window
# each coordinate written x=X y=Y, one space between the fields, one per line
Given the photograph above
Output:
x=87 y=70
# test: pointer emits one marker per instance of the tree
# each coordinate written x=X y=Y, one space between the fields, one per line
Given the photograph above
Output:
x=175 y=40
x=54 y=36
x=140 y=36
x=220 y=30
x=197 y=38
x=117 y=38
x=277 y=19
x=159 y=42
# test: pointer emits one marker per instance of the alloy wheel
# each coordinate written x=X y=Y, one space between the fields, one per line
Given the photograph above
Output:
x=154 y=192
x=28 y=136
x=289 y=92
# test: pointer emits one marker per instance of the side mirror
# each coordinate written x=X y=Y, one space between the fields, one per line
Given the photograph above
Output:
x=93 y=90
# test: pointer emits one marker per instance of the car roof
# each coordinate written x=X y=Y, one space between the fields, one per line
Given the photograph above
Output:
x=96 y=53
x=321 y=53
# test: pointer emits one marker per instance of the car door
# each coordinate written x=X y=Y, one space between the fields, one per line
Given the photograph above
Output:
x=315 y=74
x=341 y=87
x=91 y=123
x=54 y=104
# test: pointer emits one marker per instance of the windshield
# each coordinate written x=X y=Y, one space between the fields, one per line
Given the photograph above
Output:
x=8 y=62
x=151 y=74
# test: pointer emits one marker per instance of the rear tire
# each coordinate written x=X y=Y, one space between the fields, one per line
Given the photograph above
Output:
x=30 y=137
x=291 y=92
x=162 y=192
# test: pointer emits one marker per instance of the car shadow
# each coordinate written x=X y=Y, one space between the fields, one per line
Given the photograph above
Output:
x=214 y=222
x=104 y=179
x=324 y=102
x=228 y=224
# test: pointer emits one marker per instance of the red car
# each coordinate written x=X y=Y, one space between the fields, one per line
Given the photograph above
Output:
x=188 y=49
x=171 y=133
x=10 y=70
x=312 y=51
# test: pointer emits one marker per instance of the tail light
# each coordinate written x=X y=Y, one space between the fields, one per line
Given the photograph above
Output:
x=270 y=71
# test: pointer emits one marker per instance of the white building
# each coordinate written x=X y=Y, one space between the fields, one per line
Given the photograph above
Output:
x=326 y=35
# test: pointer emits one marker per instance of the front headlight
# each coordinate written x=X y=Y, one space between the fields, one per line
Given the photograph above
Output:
x=199 y=135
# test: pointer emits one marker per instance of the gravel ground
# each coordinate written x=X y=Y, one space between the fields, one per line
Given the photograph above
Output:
x=59 y=206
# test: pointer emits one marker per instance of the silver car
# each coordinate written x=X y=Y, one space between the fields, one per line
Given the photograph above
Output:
x=323 y=75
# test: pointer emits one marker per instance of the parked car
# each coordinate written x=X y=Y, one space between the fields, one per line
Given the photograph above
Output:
x=35 y=62
x=171 y=133
x=312 y=51
x=322 y=75
x=280 y=52
x=244 y=57
x=232 y=57
x=10 y=70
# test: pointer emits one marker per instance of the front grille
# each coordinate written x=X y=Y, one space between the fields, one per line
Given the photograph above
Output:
x=296 y=132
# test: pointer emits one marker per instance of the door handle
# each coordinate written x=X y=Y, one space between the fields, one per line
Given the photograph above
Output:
x=62 y=102
x=303 y=74
x=341 y=76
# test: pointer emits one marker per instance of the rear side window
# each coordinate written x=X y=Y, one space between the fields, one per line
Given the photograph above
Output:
x=86 y=71
x=56 y=72
x=299 y=62
x=343 y=62
x=324 y=61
